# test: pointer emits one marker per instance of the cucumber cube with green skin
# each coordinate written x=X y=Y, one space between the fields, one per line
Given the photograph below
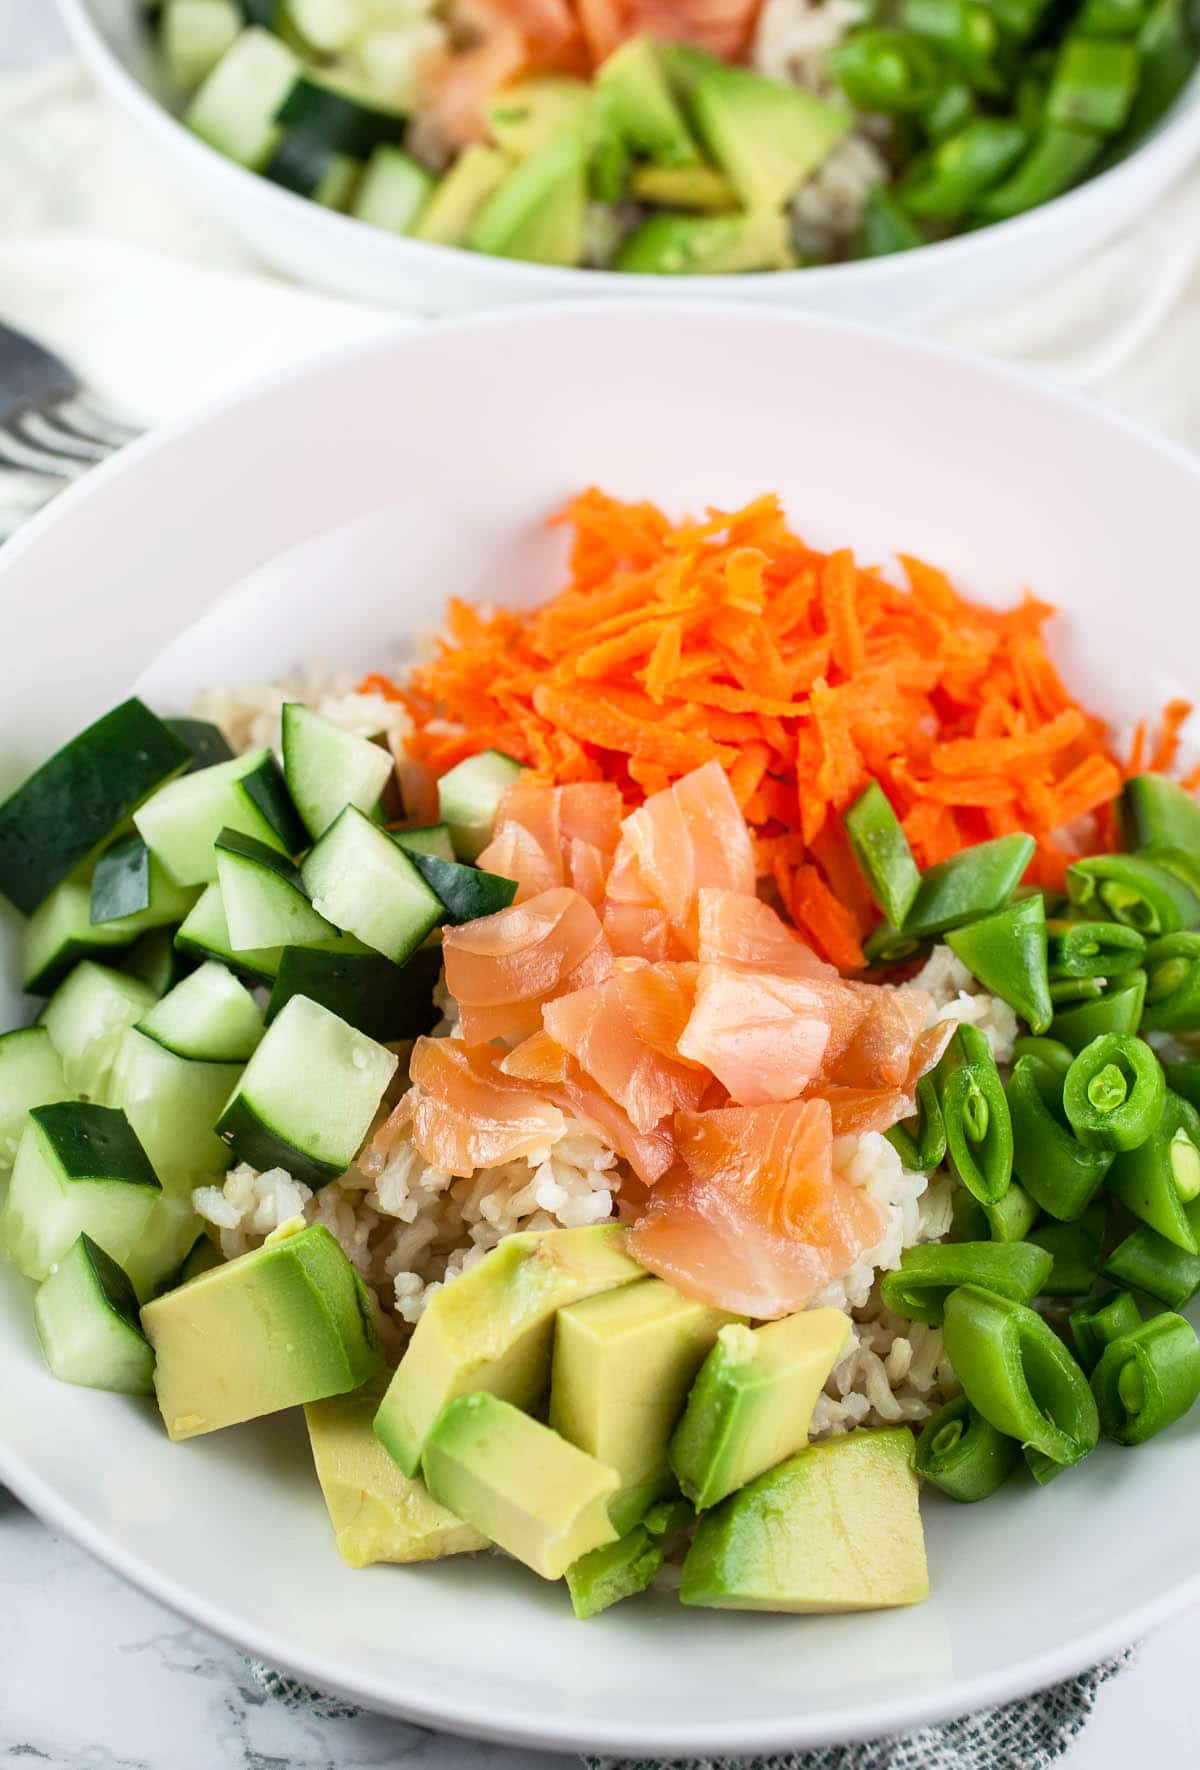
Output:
x=426 y=839
x=361 y=881
x=87 y=1018
x=469 y=796
x=202 y=1256
x=289 y=1323
x=465 y=892
x=86 y=1315
x=204 y=933
x=835 y=1528
x=181 y=822
x=385 y=1001
x=121 y=881
x=493 y=1328
x=234 y=110
x=207 y=742
x=76 y=801
x=753 y=1401
x=264 y=899
x=307 y=1097
x=327 y=768
x=210 y=1017
x=155 y=1263
x=31 y=1074
x=520 y=1484
x=194 y=35
x=173 y=1104
x=61 y=930
x=79 y=1168
x=393 y=191
x=156 y=961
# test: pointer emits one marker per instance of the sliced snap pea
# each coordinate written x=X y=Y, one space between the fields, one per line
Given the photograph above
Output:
x=920 y=1142
x=927 y=1273
x=1111 y=18
x=1050 y=1051
x=1114 y=1092
x=888 y=70
x=964 y=1455
x=1173 y=984
x=972 y=883
x=1058 y=159
x=1010 y=1218
x=1094 y=84
x=1076 y=1250
x=1092 y=949
x=1059 y=1172
x=881 y=849
x=1183 y=1077
x=974 y=1107
x=1117 y=1010
x=1134 y=891
x=1161 y=1177
x=967 y=33
x=953 y=106
x=946 y=183
x=1146 y=1261
x=1016 y=1371
x=886 y=229
x=1094 y=1326
x=1157 y=812
x=1168 y=57
x=1147 y=1379
x=1006 y=951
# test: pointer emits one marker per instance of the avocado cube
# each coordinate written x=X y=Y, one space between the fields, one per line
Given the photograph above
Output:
x=707 y=245
x=524 y=117
x=377 y=1512
x=289 y=1323
x=638 y=96
x=493 y=1328
x=518 y=1482
x=623 y=1364
x=835 y=1528
x=766 y=137
x=539 y=211
x=753 y=1401
x=79 y=1168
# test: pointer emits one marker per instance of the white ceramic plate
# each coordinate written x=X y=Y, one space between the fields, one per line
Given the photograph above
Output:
x=332 y=512
x=911 y=289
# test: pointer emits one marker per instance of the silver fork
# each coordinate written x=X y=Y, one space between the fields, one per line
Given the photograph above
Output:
x=51 y=428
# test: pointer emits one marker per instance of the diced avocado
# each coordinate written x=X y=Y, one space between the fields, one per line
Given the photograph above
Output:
x=765 y=136
x=452 y=210
x=538 y=213
x=493 y=1328
x=288 y=1323
x=525 y=117
x=707 y=245
x=623 y=1363
x=623 y=1569
x=377 y=1513
x=753 y=1401
x=683 y=187
x=684 y=66
x=642 y=105
x=835 y=1528
x=523 y=1486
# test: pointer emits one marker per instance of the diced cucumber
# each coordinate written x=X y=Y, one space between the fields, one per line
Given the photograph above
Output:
x=194 y=35
x=173 y=1104
x=394 y=190
x=77 y=800
x=327 y=25
x=87 y=1018
x=363 y=989
x=358 y=877
x=210 y=1017
x=31 y=1074
x=87 y=1320
x=234 y=110
x=61 y=929
x=205 y=933
x=121 y=881
x=312 y=169
x=469 y=796
x=426 y=839
x=327 y=768
x=153 y=1264
x=155 y=960
x=79 y=1168
x=202 y=1256
x=466 y=892
x=263 y=896
x=182 y=822
x=323 y=111
x=206 y=741
x=308 y=1095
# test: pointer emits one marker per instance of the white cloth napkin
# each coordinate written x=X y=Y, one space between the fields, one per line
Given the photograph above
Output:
x=159 y=308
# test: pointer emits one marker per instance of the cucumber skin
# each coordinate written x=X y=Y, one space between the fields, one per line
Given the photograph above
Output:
x=383 y=1000
x=252 y=1141
x=121 y=881
x=207 y=742
x=466 y=892
x=80 y=796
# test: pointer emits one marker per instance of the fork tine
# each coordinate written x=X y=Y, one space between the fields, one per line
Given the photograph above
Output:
x=82 y=415
x=16 y=452
x=29 y=374
x=43 y=430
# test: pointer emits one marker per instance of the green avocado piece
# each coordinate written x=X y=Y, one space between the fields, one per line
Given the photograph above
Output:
x=524 y=1487
x=835 y=1528
x=451 y=212
x=685 y=66
x=526 y=117
x=289 y=1323
x=377 y=1512
x=538 y=213
x=766 y=137
x=683 y=187
x=623 y=1364
x=493 y=1328
x=707 y=245
x=753 y=1401
x=622 y=1569
x=642 y=106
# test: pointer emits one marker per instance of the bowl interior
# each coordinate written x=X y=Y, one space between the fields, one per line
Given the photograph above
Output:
x=331 y=514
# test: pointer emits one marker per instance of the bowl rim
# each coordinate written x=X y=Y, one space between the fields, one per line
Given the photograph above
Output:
x=668 y=1740
x=1173 y=141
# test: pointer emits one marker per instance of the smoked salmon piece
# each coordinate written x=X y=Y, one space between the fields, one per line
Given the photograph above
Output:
x=880 y=1054
x=678 y=842
x=860 y=1110
x=764 y=1037
x=546 y=836
x=501 y=969
x=544 y=1065
x=467 y=1114
x=625 y=1033
x=754 y=1219
x=739 y=929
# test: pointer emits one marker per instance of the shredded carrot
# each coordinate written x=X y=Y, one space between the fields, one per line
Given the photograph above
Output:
x=804 y=674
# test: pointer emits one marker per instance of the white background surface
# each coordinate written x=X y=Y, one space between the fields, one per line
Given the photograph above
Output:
x=96 y=1677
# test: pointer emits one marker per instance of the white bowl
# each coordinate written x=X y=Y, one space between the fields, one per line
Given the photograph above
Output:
x=909 y=291
x=333 y=511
